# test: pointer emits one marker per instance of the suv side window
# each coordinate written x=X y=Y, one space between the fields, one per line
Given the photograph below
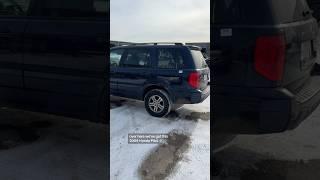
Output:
x=199 y=59
x=115 y=57
x=136 y=58
x=13 y=7
x=169 y=58
x=69 y=8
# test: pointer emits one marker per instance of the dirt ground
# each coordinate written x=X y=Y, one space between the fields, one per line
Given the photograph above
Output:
x=35 y=146
x=162 y=160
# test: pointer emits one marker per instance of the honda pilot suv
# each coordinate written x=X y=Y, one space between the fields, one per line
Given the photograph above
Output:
x=161 y=75
x=264 y=53
x=52 y=56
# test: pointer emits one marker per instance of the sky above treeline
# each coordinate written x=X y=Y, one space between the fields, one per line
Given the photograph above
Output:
x=160 y=20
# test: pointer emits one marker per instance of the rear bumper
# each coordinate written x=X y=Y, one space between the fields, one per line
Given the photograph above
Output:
x=277 y=109
x=192 y=97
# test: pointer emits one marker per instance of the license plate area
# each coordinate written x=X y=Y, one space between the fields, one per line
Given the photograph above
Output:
x=306 y=59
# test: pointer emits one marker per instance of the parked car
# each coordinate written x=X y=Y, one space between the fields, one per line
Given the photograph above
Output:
x=264 y=54
x=161 y=75
x=52 y=56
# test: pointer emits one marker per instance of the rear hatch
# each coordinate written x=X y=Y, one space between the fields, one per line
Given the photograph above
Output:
x=265 y=43
x=202 y=68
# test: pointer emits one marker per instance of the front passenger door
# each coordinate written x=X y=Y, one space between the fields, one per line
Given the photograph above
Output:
x=115 y=57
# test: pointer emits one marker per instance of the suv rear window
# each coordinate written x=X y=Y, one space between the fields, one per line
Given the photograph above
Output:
x=169 y=58
x=199 y=59
x=259 y=11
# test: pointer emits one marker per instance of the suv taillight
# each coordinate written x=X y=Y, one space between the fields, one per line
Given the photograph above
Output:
x=194 y=80
x=269 y=56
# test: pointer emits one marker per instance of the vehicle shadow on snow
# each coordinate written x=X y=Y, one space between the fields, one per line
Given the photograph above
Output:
x=116 y=102
x=237 y=163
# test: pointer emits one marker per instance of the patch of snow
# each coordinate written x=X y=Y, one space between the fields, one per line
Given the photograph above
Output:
x=132 y=117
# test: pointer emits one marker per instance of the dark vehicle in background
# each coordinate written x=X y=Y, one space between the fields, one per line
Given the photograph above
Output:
x=264 y=54
x=315 y=6
x=52 y=56
x=160 y=74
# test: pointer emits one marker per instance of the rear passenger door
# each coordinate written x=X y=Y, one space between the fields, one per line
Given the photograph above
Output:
x=170 y=67
x=65 y=44
x=134 y=71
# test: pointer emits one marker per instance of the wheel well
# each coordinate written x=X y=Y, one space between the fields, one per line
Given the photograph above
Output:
x=149 y=88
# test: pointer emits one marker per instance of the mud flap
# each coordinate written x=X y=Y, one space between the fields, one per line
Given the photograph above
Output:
x=274 y=116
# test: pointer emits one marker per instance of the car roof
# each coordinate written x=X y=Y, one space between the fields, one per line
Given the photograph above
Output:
x=190 y=47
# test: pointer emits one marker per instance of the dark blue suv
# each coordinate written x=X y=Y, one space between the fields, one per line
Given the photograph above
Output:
x=162 y=75
x=52 y=57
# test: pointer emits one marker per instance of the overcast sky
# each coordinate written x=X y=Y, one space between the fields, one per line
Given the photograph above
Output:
x=160 y=20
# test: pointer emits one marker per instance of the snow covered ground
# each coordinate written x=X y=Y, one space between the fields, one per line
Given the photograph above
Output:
x=131 y=117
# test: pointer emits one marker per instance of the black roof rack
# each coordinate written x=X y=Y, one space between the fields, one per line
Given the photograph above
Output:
x=159 y=43
x=193 y=47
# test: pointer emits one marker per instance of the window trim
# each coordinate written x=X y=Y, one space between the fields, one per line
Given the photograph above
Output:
x=122 y=55
x=14 y=16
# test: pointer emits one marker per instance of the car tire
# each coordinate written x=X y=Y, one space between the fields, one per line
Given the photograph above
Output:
x=157 y=103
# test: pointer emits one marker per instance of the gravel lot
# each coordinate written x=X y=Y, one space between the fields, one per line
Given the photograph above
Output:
x=35 y=146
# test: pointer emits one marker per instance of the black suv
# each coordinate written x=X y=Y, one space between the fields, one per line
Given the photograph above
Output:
x=52 y=56
x=264 y=54
x=161 y=75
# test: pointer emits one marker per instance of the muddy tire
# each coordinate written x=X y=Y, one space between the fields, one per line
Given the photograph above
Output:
x=157 y=103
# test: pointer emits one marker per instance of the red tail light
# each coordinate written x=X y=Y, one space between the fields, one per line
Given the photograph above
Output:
x=269 y=57
x=194 y=80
